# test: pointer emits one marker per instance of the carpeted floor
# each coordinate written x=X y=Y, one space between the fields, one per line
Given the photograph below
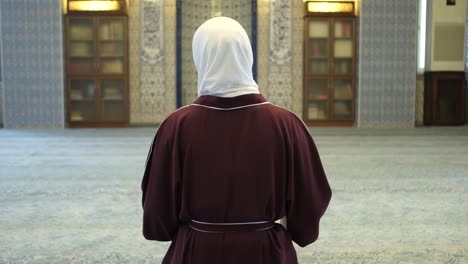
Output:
x=73 y=196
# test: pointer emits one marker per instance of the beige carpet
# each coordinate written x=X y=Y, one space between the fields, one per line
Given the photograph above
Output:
x=72 y=196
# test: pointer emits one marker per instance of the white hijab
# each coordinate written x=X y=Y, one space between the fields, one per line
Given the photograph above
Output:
x=223 y=58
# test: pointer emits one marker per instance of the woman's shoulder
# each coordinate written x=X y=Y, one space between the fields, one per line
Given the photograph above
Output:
x=284 y=113
x=173 y=119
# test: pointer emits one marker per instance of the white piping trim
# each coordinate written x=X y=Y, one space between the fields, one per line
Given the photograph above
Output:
x=210 y=107
x=204 y=231
x=244 y=223
x=265 y=228
x=232 y=108
x=215 y=232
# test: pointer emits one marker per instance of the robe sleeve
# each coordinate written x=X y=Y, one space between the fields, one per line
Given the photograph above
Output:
x=161 y=187
x=308 y=191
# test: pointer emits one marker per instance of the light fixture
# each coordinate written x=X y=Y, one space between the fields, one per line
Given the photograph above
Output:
x=330 y=7
x=94 y=5
x=101 y=6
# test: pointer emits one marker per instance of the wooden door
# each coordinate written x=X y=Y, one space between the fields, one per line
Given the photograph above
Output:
x=343 y=69
x=317 y=69
x=81 y=45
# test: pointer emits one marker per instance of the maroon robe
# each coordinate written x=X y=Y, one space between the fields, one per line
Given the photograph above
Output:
x=231 y=160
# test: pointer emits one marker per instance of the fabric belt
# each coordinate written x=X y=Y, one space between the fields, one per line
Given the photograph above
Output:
x=230 y=227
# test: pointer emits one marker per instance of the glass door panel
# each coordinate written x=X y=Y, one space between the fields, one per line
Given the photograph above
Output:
x=319 y=29
x=318 y=46
x=111 y=49
x=318 y=89
x=318 y=59
x=112 y=98
x=343 y=89
x=82 y=100
x=81 y=29
x=343 y=56
x=343 y=99
x=318 y=99
x=317 y=110
x=343 y=65
x=343 y=110
x=81 y=45
x=343 y=29
x=111 y=29
x=111 y=45
x=343 y=47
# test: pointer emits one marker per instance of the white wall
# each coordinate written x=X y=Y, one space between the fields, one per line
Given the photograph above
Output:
x=445 y=35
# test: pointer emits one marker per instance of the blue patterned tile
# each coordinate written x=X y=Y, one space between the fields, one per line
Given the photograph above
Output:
x=387 y=77
x=32 y=63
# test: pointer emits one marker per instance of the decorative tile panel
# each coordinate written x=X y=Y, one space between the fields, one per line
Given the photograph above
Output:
x=387 y=69
x=152 y=77
x=358 y=57
x=279 y=84
x=134 y=21
x=279 y=89
x=152 y=89
x=152 y=60
x=280 y=31
x=152 y=31
x=263 y=39
x=194 y=13
x=170 y=55
x=33 y=77
x=280 y=58
x=297 y=64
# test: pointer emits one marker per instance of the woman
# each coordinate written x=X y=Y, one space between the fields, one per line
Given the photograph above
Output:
x=222 y=170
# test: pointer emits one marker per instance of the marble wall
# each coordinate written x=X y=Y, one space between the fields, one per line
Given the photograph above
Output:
x=297 y=70
x=387 y=69
x=280 y=54
x=152 y=27
x=32 y=63
x=419 y=103
x=194 y=13
x=280 y=25
x=466 y=68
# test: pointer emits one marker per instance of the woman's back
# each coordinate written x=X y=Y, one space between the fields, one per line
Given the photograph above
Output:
x=221 y=171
